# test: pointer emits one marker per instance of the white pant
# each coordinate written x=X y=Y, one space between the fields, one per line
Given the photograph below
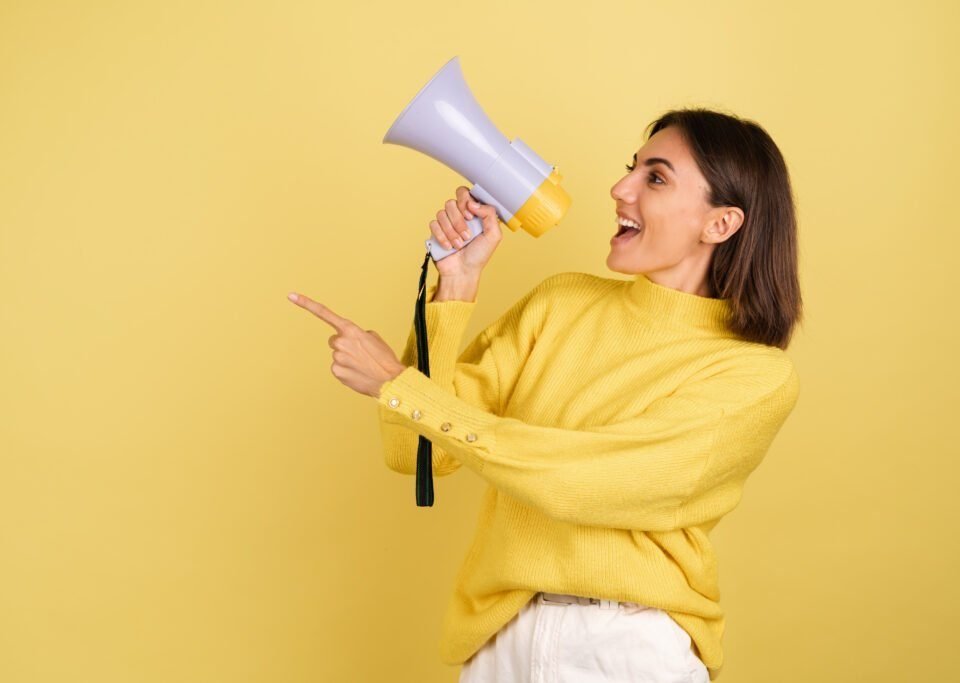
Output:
x=580 y=642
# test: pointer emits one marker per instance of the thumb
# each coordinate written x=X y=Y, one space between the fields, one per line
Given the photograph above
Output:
x=488 y=214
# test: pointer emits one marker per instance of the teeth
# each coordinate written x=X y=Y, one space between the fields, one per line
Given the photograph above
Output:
x=627 y=222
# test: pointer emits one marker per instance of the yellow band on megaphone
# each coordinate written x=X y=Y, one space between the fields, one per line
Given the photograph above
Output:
x=544 y=209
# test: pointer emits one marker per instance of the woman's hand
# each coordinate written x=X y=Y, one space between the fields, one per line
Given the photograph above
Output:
x=361 y=358
x=450 y=224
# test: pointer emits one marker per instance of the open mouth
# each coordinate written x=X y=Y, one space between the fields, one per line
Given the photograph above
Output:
x=624 y=233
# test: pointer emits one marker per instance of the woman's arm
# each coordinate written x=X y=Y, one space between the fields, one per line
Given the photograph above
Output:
x=473 y=376
x=446 y=318
x=682 y=461
x=447 y=310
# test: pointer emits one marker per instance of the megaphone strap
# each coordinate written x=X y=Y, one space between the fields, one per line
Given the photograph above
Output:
x=424 y=479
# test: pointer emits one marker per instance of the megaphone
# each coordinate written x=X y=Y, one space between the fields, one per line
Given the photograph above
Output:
x=445 y=122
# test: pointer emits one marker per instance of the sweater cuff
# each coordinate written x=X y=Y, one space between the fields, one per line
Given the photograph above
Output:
x=415 y=401
x=446 y=324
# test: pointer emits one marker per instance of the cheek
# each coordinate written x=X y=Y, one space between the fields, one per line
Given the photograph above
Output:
x=679 y=222
x=668 y=239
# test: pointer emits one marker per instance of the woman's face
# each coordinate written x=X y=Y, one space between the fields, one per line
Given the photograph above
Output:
x=666 y=195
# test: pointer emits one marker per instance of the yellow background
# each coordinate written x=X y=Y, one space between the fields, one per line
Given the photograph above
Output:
x=188 y=494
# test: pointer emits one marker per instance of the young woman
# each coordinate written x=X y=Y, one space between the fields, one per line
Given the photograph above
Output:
x=615 y=421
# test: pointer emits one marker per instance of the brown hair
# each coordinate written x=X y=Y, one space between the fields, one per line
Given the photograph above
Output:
x=756 y=268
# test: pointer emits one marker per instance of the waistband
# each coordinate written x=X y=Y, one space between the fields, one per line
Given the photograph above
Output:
x=563 y=599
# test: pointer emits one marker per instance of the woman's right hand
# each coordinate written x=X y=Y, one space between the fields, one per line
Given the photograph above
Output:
x=449 y=225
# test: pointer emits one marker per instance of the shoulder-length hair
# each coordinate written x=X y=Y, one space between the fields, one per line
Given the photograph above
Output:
x=757 y=267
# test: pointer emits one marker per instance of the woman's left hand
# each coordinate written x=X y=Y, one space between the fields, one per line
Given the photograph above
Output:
x=361 y=358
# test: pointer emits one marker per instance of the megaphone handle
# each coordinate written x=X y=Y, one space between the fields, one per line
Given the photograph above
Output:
x=438 y=251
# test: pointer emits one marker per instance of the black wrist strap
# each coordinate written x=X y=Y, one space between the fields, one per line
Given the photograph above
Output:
x=424 y=445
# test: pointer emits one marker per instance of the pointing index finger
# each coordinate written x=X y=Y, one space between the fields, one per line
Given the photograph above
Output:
x=321 y=311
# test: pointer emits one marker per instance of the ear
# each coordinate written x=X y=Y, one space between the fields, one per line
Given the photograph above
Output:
x=724 y=223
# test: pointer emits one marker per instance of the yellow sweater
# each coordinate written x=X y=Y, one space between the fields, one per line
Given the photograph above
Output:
x=615 y=421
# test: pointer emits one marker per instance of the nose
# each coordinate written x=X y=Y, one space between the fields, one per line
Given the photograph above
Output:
x=623 y=192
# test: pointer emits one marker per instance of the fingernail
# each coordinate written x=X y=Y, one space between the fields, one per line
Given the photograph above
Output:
x=466 y=234
x=292 y=296
x=468 y=215
x=458 y=243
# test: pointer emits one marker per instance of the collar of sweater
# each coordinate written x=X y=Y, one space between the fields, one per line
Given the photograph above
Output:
x=680 y=309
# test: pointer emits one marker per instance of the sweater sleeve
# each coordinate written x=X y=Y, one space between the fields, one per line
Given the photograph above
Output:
x=473 y=377
x=680 y=462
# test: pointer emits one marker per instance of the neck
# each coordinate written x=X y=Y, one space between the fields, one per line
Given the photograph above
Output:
x=675 y=307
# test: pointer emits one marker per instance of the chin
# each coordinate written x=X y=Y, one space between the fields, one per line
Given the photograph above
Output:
x=628 y=264
x=616 y=263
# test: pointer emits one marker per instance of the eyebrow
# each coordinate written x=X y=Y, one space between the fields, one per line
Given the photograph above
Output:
x=656 y=160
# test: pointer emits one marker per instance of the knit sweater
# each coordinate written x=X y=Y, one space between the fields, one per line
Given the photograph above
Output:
x=614 y=421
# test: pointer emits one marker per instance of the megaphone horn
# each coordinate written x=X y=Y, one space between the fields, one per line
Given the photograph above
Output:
x=445 y=122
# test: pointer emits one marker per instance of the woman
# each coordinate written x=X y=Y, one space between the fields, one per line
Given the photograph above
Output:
x=615 y=421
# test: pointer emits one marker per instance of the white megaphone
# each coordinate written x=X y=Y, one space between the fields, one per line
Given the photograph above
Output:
x=445 y=122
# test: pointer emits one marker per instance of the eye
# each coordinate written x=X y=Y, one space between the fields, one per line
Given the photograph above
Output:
x=651 y=176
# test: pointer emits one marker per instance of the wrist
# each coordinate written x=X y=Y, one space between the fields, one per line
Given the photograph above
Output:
x=397 y=369
x=392 y=374
x=457 y=289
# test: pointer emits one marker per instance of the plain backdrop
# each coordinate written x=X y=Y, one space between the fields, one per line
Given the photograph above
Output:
x=186 y=491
